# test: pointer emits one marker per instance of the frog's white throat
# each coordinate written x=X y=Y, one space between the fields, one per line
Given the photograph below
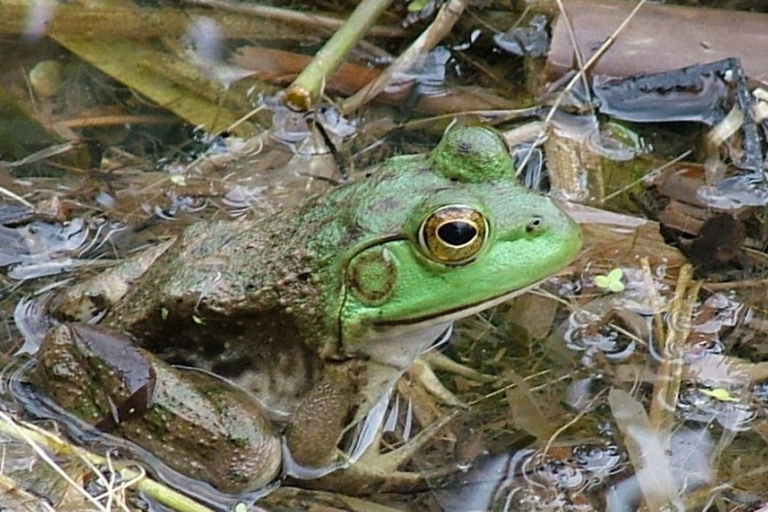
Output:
x=398 y=346
x=399 y=351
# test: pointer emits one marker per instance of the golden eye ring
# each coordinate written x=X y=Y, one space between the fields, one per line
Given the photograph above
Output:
x=453 y=234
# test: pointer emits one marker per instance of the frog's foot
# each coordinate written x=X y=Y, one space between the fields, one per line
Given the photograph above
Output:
x=422 y=372
x=376 y=472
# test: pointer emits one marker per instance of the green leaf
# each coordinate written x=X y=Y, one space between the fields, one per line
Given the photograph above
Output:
x=616 y=286
x=164 y=313
x=612 y=282
x=720 y=394
x=417 y=5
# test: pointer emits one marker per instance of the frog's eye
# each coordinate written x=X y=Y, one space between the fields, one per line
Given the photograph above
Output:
x=453 y=234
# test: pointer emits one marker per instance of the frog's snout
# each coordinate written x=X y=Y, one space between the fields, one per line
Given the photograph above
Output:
x=566 y=234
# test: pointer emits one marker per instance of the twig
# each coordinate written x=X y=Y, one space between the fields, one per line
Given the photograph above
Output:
x=291 y=16
x=512 y=385
x=443 y=23
x=583 y=412
x=448 y=15
x=737 y=285
x=26 y=436
x=599 y=53
x=37 y=156
x=99 y=21
x=576 y=49
x=653 y=299
x=246 y=117
x=16 y=197
x=116 y=120
x=657 y=170
x=309 y=84
x=38 y=438
x=669 y=375
x=491 y=117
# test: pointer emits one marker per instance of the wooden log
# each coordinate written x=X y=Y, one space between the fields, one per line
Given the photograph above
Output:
x=659 y=38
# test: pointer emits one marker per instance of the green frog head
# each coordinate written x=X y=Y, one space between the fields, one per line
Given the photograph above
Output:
x=450 y=234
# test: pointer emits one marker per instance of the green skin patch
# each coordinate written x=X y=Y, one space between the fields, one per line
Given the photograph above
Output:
x=471 y=155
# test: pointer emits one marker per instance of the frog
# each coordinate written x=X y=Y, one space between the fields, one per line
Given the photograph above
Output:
x=299 y=323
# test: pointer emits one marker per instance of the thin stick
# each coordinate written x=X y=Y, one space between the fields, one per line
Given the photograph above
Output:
x=37 y=156
x=587 y=408
x=246 y=117
x=16 y=197
x=100 y=21
x=644 y=176
x=291 y=16
x=599 y=53
x=576 y=49
x=653 y=299
x=309 y=84
x=38 y=438
x=117 y=120
x=737 y=285
x=669 y=375
x=448 y=15
x=47 y=459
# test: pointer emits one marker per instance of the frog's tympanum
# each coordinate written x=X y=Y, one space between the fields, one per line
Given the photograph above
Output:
x=313 y=313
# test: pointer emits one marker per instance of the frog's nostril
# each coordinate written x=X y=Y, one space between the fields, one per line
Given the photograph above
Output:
x=534 y=225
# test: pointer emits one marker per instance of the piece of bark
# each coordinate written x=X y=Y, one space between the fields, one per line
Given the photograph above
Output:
x=683 y=217
x=616 y=238
x=659 y=38
x=682 y=183
x=720 y=243
x=687 y=211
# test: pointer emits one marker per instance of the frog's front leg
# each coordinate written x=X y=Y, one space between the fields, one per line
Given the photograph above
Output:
x=324 y=416
x=317 y=425
x=195 y=423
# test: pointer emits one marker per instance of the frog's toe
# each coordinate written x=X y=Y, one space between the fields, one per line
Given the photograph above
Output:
x=423 y=371
x=376 y=472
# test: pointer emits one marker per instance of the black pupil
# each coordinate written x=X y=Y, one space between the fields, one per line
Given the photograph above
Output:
x=457 y=232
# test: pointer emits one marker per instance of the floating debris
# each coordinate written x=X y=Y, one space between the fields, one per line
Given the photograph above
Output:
x=532 y=41
x=703 y=93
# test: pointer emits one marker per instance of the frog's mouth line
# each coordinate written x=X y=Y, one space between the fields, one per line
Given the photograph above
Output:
x=453 y=314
